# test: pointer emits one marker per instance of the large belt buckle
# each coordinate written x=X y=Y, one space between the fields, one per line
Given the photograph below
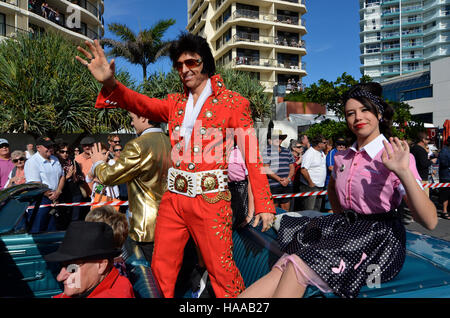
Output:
x=211 y=181
x=181 y=182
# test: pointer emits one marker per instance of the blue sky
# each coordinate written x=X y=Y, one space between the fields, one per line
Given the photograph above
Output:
x=332 y=41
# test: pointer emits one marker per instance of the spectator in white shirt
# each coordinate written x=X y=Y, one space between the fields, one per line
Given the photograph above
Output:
x=45 y=168
x=313 y=172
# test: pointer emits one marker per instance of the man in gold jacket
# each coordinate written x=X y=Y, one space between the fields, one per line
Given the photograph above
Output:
x=143 y=166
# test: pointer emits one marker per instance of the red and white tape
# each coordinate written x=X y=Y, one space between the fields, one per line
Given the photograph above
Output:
x=324 y=192
x=113 y=203
x=275 y=196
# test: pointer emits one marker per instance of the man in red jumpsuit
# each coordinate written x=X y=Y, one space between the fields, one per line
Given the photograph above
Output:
x=199 y=122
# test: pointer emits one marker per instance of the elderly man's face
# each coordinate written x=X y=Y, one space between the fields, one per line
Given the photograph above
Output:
x=81 y=276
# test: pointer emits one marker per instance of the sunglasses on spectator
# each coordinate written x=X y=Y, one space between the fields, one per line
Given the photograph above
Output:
x=4 y=145
x=116 y=150
x=116 y=141
x=190 y=63
x=63 y=151
x=18 y=159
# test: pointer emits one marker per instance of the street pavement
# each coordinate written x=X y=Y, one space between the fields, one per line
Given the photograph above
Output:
x=441 y=231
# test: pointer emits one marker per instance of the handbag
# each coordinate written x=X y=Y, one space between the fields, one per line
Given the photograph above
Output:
x=100 y=196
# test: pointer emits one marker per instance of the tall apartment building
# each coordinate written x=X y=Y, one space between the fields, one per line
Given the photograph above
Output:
x=263 y=37
x=78 y=20
x=402 y=36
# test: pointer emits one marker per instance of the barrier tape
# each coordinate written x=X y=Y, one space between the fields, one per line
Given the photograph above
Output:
x=324 y=192
x=112 y=203
x=274 y=196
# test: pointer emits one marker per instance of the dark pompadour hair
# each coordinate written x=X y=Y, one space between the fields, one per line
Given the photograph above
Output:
x=188 y=42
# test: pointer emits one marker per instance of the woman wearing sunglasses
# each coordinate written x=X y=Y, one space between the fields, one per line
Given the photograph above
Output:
x=74 y=184
x=17 y=174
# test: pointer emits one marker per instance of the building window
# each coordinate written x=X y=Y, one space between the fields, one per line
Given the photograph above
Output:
x=219 y=3
x=247 y=11
x=287 y=39
x=373 y=48
x=247 y=57
x=2 y=24
x=288 y=17
x=247 y=33
x=223 y=39
x=223 y=18
x=288 y=60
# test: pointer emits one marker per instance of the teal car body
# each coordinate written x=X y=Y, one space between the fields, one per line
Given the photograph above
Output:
x=24 y=272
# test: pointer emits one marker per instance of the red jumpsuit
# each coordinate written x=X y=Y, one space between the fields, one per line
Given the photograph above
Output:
x=206 y=217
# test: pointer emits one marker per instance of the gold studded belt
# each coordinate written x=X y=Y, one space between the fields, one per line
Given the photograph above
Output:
x=192 y=184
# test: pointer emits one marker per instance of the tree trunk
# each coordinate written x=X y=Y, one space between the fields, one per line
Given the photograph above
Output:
x=144 y=71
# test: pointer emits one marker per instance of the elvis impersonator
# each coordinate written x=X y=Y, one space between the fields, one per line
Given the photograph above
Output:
x=200 y=123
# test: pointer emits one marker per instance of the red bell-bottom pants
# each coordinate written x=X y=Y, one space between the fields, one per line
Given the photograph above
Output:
x=209 y=224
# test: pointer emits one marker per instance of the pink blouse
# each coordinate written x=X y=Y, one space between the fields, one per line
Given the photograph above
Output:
x=363 y=183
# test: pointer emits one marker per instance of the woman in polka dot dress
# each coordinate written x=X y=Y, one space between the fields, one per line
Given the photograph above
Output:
x=364 y=240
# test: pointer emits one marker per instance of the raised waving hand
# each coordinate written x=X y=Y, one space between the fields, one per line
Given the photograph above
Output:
x=102 y=70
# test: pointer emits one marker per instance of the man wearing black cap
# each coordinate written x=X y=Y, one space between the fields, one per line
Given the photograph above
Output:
x=87 y=263
x=45 y=168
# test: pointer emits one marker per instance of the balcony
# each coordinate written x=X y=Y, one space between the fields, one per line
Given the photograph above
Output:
x=92 y=8
x=269 y=40
x=390 y=12
x=50 y=17
x=294 y=5
x=11 y=31
x=254 y=62
x=268 y=17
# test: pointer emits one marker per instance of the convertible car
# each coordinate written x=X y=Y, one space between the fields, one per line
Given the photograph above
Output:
x=24 y=272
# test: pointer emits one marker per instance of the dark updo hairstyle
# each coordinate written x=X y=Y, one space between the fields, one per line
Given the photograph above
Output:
x=191 y=43
x=371 y=96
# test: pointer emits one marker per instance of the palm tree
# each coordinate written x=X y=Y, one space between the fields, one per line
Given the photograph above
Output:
x=45 y=91
x=141 y=49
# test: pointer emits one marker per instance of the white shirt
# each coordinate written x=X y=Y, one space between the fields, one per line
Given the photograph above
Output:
x=192 y=112
x=315 y=162
x=45 y=171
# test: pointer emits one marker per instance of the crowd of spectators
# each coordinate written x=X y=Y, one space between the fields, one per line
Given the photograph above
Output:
x=64 y=170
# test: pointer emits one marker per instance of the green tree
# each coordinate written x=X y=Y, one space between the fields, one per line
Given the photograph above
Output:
x=249 y=87
x=328 y=93
x=159 y=85
x=329 y=129
x=141 y=49
x=45 y=91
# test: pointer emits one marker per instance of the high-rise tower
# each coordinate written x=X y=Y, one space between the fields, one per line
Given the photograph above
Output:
x=402 y=36
x=263 y=37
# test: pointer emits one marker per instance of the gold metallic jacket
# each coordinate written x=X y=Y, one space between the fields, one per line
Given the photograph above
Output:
x=143 y=166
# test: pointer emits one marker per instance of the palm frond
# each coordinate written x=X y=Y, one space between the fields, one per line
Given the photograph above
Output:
x=122 y=31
